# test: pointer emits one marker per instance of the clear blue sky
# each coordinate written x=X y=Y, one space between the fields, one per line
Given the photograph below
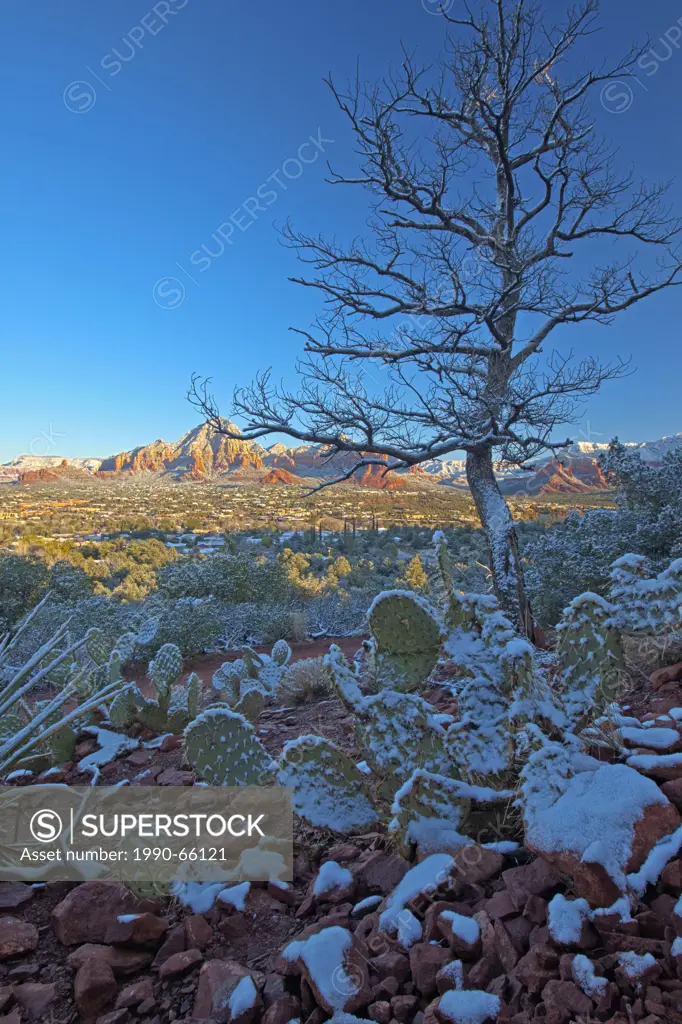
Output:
x=102 y=200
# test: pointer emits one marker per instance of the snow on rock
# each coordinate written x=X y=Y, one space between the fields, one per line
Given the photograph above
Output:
x=566 y=919
x=366 y=906
x=424 y=877
x=235 y=895
x=462 y=932
x=243 y=997
x=468 y=1006
x=664 y=851
x=332 y=876
x=111 y=746
x=582 y=970
x=337 y=983
x=660 y=766
x=198 y=896
x=656 y=738
x=635 y=965
x=586 y=833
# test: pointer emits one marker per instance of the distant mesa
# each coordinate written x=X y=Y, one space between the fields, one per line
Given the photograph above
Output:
x=202 y=454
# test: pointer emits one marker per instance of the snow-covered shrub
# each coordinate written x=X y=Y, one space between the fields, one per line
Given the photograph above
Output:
x=644 y=603
x=576 y=555
x=234 y=579
x=306 y=680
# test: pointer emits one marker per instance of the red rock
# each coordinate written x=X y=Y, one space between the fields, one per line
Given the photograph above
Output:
x=673 y=791
x=484 y=971
x=500 y=905
x=198 y=932
x=430 y=928
x=175 y=777
x=14 y=894
x=672 y=875
x=90 y=910
x=283 y=894
x=138 y=929
x=136 y=993
x=169 y=743
x=6 y=997
x=122 y=961
x=519 y=929
x=426 y=960
x=379 y=872
x=283 y=1010
x=395 y=965
x=94 y=987
x=563 y=1001
x=403 y=1007
x=16 y=937
x=35 y=997
x=671 y=674
x=506 y=951
x=343 y=851
x=475 y=864
x=179 y=963
x=380 y=1012
x=115 y=1017
x=139 y=758
x=535 y=910
x=539 y=966
x=217 y=981
x=13 y=1017
x=459 y=943
x=534 y=879
x=175 y=942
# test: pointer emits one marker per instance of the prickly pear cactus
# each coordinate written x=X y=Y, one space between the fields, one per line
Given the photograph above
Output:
x=430 y=812
x=281 y=653
x=166 y=667
x=123 y=708
x=481 y=742
x=147 y=632
x=97 y=646
x=184 y=703
x=407 y=632
x=329 y=791
x=345 y=681
x=397 y=733
x=125 y=647
x=590 y=658
x=250 y=705
x=225 y=751
x=226 y=681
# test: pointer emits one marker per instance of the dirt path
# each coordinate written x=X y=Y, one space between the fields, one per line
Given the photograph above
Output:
x=206 y=665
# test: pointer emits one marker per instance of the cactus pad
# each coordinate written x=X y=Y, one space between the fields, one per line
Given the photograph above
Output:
x=329 y=791
x=166 y=667
x=398 y=734
x=224 y=749
x=97 y=646
x=251 y=705
x=481 y=743
x=429 y=812
x=407 y=631
x=123 y=708
x=281 y=653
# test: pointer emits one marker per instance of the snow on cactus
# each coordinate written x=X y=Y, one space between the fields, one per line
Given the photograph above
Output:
x=407 y=632
x=428 y=811
x=397 y=733
x=328 y=790
x=225 y=751
x=97 y=646
x=590 y=658
x=345 y=681
x=481 y=742
x=281 y=653
x=166 y=667
x=644 y=604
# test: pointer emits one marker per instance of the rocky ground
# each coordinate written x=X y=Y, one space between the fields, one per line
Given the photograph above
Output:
x=489 y=949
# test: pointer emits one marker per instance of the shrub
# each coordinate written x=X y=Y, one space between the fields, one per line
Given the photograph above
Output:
x=306 y=680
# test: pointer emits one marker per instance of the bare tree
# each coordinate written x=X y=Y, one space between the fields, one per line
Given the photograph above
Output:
x=498 y=216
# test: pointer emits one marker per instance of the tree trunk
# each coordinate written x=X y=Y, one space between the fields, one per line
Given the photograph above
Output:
x=500 y=534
